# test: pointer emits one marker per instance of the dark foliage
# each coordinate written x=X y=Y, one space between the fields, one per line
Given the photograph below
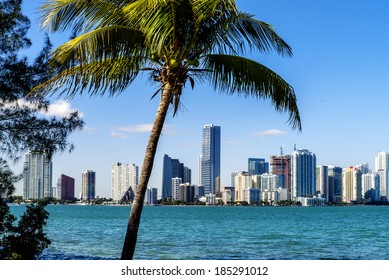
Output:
x=26 y=240
x=23 y=126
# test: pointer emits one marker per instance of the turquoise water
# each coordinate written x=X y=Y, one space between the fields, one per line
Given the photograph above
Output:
x=190 y=233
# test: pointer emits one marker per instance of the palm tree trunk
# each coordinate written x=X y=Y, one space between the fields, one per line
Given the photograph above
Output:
x=137 y=205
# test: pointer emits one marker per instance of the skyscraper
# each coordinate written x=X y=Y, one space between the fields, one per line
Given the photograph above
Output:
x=210 y=159
x=322 y=182
x=382 y=168
x=173 y=168
x=303 y=173
x=280 y=165
x=88 y=191
x=66 y=187
x=335 y=184
x=382 y=161
x=123 y=177
x=351 y=185
x=37 y=176
x=257 y=166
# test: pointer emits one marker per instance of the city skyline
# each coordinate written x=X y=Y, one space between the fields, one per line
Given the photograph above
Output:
x=338 y=75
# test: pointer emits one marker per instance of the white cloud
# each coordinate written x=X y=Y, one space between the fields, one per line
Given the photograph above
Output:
x=61 y=108
x=140 y=128
x=270 y=132
x=124 y=131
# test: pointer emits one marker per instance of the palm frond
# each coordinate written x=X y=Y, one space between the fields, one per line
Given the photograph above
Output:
x=97 y=78
x=79 y=15
x=100 y=44
x=238 y=75
x=256 y=34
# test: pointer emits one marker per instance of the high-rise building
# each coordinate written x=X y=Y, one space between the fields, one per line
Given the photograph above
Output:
x=88 y=188
x=335 y=184
x=66 y=187
x=37 y=176
x=257 y=166
x=351 y=185
x=383 y=184
x=123 y=177
x=173 y=168
x=371 y=186
x=210 y=159
x=151 y=196
x=382 y=161
x=176 y=190
x=280 y=165
x=382 y=169
x=322 y=182
x=303 y=173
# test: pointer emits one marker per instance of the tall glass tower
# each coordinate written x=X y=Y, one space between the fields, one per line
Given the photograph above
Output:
x=303 y=177
x=88 y=185
x=173 y=168
x=37 y=176
x=210 y=159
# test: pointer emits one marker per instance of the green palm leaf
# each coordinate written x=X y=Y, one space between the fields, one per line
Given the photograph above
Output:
x=102 y=43
x=238 y=75
x=97 y=78
x=80 y=15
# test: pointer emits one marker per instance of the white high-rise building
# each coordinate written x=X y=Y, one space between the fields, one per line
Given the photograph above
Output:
x=382 y=161
x=303 y=173
x=371 y=186
x=351 y=185
x=37 y=176
x=382 y=168
x=123 y=177
x=176 y=190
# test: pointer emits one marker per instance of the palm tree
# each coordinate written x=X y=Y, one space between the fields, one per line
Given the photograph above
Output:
x=176 y=42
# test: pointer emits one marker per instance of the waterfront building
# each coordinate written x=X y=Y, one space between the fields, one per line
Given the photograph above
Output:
x=303 y=173
x=186 y=193
x=280 y=165
x=322 y=182
x=210 y=159
x=270 y=182
x=312 y=201
x=383 y=184
x=173 y=168
x=88 y=185
x=65 y=187
x=242 y=181
x=56 y=192
x=123 y=177
x=250 y=195
x=37 y=175
x=199 y=192
x=382 y=169
x=351 y=185
x=335 y=184
x=382 y=161
x=257 y=166
x=228 y=195
x=151 y=196
x=370 y=186
x=176 y=190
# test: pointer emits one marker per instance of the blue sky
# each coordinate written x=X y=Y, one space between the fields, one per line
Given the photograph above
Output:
x=339 y=71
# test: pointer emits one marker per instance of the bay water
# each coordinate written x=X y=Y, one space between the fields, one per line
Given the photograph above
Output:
x=220 y=233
